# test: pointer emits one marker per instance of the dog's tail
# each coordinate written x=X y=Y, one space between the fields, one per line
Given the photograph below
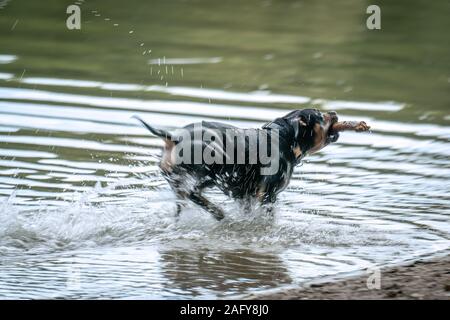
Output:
x=157 y=132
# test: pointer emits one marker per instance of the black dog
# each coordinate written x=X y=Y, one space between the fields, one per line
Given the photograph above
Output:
x=299 y=133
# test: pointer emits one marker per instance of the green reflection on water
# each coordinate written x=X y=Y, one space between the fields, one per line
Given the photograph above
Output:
x=319 y=49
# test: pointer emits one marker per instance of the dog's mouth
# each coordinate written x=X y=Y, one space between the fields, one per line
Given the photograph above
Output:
x=332 y=135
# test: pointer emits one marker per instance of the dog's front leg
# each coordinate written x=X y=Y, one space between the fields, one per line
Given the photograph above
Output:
x=266 y=197
x=268 y=207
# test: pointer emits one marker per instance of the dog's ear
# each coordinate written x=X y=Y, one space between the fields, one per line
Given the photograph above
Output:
x=302 y=121
x=299 y=124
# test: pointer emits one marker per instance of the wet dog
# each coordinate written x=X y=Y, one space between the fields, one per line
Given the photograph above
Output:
x=239 y=171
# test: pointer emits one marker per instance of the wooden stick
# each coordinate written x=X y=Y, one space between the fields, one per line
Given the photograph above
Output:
x=350 y=126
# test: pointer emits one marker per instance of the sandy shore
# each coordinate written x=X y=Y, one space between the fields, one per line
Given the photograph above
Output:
x=429 y=279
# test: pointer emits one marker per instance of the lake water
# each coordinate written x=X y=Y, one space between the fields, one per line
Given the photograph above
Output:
x=84 y=211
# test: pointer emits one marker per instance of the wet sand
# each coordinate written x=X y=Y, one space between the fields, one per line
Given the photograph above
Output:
x=424 y=279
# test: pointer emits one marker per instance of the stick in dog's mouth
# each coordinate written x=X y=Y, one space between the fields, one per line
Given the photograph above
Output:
x=339 y=126
x=358 y=126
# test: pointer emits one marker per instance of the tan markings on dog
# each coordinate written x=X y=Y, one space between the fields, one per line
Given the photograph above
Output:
x=167 y=160
x=319 y=138
x=297 y=152
x=261 y=193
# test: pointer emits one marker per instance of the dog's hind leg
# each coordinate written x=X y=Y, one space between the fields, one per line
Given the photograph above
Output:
x=200 y=200
x=180 y=193
x=195 y=195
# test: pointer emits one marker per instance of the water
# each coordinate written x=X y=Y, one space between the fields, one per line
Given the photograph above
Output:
x=84 y=212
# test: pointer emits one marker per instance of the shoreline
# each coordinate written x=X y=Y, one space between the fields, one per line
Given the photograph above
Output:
x=423 y=279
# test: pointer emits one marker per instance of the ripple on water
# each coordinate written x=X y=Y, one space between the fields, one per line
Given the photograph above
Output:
x=84 y=211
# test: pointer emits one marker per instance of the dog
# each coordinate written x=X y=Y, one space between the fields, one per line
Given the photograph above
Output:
x=298 y=133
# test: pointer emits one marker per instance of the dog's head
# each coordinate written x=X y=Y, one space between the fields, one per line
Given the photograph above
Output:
x=312 y=129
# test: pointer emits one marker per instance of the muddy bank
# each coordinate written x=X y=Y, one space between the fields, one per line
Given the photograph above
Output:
x=429 y=279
